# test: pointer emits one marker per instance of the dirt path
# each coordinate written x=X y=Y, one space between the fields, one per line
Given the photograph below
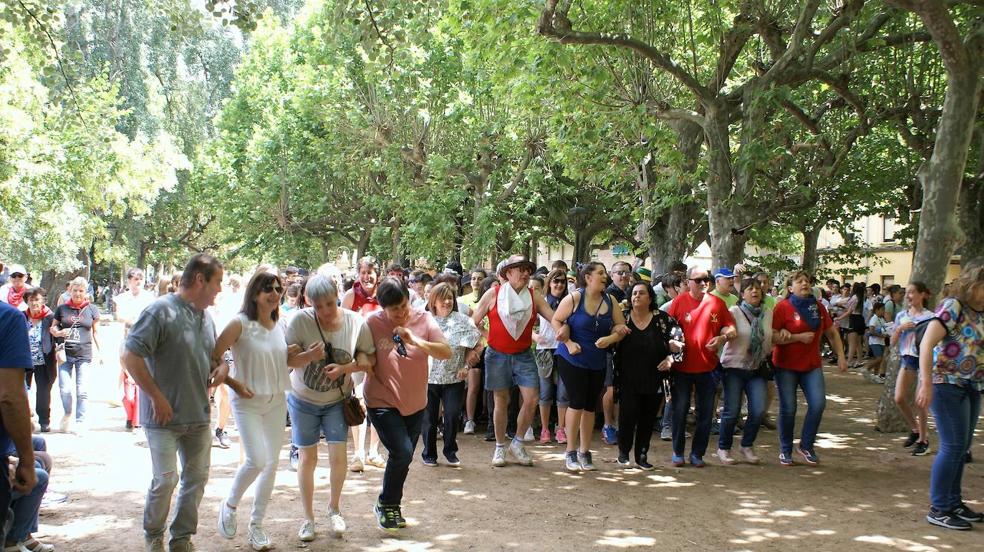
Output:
x=869 y=493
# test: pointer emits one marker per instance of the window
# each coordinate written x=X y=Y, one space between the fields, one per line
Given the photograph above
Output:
x=888 y=229
x=886 y=281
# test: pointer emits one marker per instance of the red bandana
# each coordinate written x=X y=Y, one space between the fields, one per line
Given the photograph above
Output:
x=72 y=305
x=45 y=311
x=15 y=297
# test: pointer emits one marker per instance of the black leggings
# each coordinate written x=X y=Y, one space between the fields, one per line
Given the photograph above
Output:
x=583 y=386
x=636 y=416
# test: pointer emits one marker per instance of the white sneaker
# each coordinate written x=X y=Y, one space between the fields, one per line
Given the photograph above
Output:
x=518 y=451
x=749 y=454
x=306 y=532
x=66 y=423
x=357 y=465
x=499 y=456
x=227 y=520
x=337 y=524
x=529 y=435
x=469 y=427
x=258 y=539
x=725 y=457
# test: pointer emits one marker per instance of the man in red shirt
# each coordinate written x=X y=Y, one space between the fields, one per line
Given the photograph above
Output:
x=707 y=325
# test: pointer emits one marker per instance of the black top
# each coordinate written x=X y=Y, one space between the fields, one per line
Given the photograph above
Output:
x=618 y=293
x=639 y=353
x=78 y=344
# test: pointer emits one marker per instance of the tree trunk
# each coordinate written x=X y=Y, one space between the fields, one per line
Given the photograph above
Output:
x=889 y=416
x=972 y=211
x=810 y=239
x=362 y=246
x=395 y=235
x=941 y=180
x=727 y=240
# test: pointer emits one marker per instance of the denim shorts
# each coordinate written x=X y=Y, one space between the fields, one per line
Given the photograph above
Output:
x=308 y=421
x=876 y=350
x=503 y=370
x=910 y=363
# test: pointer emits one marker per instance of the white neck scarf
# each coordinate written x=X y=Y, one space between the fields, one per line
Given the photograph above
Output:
x=515 y=309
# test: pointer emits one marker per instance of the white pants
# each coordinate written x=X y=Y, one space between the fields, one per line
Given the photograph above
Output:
x=261 y=421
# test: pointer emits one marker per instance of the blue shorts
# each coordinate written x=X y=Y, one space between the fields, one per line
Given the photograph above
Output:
x=910 y=363
x=876 y=350
x=503 y=370
x=308 y=421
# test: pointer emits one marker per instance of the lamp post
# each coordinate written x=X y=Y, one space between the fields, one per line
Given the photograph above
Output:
x=578 y=216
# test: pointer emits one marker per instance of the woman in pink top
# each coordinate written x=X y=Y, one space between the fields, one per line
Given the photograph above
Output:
x=396 y=391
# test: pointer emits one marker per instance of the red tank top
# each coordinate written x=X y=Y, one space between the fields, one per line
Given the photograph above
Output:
x=361 y=302
x=499 y=338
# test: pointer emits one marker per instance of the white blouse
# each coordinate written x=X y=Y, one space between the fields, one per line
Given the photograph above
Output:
x=260 y=358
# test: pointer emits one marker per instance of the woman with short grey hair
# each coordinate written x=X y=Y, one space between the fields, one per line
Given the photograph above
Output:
x=336 y=343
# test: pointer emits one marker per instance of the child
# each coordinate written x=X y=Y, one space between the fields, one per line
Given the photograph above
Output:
x=876 y=343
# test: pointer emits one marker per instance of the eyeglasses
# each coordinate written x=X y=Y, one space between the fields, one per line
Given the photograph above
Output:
x=401 y=348
x=269 y=288
x=704 y=280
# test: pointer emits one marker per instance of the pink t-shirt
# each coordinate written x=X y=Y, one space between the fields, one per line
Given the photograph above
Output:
x=400 y=382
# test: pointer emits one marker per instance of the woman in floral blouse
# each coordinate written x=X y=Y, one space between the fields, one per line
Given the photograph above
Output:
x=446 y=378
x=951 y=366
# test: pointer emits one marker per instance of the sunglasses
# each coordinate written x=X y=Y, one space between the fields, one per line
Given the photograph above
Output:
x=18 y=275
x=269 y=288
x=401 y=348
x=704 y=280
x=559 y=281
x=620 y=272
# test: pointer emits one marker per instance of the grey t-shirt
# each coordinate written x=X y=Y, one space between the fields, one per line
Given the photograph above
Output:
x=353 y=336
x=176 y=341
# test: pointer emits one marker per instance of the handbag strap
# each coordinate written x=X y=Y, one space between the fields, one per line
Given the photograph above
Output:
x=328 y=347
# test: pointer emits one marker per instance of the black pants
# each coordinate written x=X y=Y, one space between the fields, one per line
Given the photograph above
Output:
x=636 y=417
x=399 y=434
x=453 y=396
x=43 y=380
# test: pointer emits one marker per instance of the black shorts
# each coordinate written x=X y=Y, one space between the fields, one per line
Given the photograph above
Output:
x=583 y=386
x=856 y=324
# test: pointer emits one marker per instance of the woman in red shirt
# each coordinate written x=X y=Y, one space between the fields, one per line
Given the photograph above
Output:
x=798 y=324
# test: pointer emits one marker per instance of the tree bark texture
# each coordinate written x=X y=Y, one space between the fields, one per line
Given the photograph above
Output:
x=810 y=256
x=889 y=417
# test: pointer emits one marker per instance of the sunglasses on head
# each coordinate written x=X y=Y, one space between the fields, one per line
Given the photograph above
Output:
x=704 y=280
x=273 y=287
x=401 y=348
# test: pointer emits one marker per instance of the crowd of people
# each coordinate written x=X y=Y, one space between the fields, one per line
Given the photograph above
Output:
x=391 y=355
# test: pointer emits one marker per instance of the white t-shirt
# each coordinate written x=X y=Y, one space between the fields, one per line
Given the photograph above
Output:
x=261 y=358
x=129 y=306
x=877 y=330
x=307 y=383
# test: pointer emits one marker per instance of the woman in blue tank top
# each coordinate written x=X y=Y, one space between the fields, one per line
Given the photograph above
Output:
x=581 y=360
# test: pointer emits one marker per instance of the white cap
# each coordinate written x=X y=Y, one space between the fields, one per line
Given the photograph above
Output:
x=17 y=269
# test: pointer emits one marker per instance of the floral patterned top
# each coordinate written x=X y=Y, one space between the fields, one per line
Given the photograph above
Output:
x=959 y=358
x=462 y=335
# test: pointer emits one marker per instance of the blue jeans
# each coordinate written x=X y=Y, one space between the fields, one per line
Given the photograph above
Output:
x=453 y=396
x=80 y=366
x=956 y=410
x=816 y=400
x=193 y=444
x=399 y=434
x=703 y=387
x=26 y=507
x=737 y=381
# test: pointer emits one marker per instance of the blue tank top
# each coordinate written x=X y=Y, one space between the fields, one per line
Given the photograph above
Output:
x=586 y=328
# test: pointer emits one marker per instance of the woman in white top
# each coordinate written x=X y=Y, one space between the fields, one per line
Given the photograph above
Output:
x=741 y=359
x=259 y=380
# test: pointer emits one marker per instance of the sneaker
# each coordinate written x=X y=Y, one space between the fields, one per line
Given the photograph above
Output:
x=452 y=459
x=545 y=436
x=489 y=436
x=386 y=517
x=697 y=461
x=66 y=423
x=129 y=425
x=376 y=461
x=968 y=458
x=518 y=451
x=400 y=522
x=221 y=438
x=499 y=456
x=623 y=460
x=44 y=428
x=749 y=454
x=809 y=456
x=258 y=539
x=644 y=465
x=227 y=520
x=965 y=513
x=880 y=379
x=154 y=544
x=725 y=457
x=716 y=428
x=294 y=458
x=584 y=458
x=561 y=436
x=469 y=427
x=183 y=546
x=429 y=462
x=785 y=459
x=921 y=449
x=948 y=520
x=570 y=462
x=336 y=523
x=357 y=466
x=31 y=544
x=666 y=434
x=529 y=435
x=609 y=435
x=911 y=439
x=306 y=532
x=676 y=460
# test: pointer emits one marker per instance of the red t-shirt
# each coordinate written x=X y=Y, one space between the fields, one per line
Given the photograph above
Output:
x=701 y=321
x=799 y=357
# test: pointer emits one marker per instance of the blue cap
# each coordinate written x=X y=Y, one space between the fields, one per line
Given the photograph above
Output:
x=724 y=273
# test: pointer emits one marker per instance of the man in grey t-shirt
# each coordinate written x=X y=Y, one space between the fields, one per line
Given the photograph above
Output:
x=168 y=354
